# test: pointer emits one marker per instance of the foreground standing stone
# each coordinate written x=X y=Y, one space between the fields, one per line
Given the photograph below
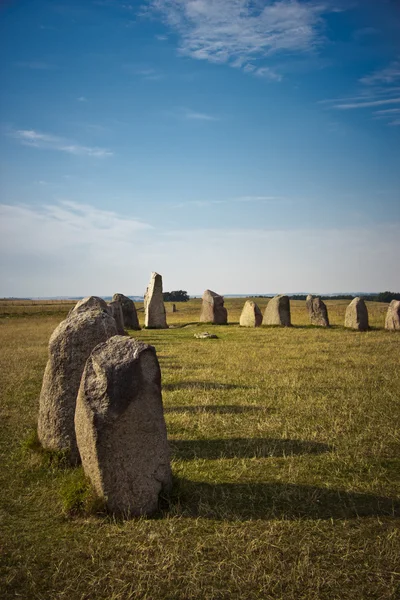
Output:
x=154 y=309
x=251 y=315
x=212 y=309
x=70 y=345
x=356 y=315
x=115 y=310
x=131 y=320
x=392 y=321
x=317 y=311
x=277 y=312
x=120 y=427
x=88 y=303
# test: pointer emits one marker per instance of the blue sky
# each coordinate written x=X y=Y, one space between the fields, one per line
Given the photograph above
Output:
x=242 y=146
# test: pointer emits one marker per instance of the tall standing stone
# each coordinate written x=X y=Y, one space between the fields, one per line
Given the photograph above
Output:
x=213 y=309
x=277 y=312
x=70 y=345
x=356 y=316
x=120 y=427
x=154 y=309
x=392 y=321
x=317 y=311
x=131 y=320
x=251 y=315
x=115 y=309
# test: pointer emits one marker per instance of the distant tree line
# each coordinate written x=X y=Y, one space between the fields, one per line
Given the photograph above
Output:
x=176 y=296
x=381 y=297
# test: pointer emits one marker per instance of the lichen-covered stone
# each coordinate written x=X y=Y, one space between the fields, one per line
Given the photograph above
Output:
x=120 y=427
x=251 y=315
x=356 y=316
x=317 y=311
x=131 y=320
x=277 y=312
x=154 y=309
x=88 y=303
x=213 y=309
x=115 y=309
x=392 y=321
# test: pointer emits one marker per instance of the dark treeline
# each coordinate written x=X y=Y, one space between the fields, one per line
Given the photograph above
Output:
x=381 y=297
x=176 y=296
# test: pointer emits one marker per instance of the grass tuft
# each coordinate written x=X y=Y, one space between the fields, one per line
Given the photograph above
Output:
x=78 y=497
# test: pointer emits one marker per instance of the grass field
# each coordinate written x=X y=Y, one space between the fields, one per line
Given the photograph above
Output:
x=286 y=457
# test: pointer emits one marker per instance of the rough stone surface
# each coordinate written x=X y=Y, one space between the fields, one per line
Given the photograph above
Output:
x=115 y=310
x=317 y=311
x=356 y=315
x=392 y=321
x=70 y=345
x=131 y=320
x=120 y=427
x=88 y=303
x=205 y=335
x=212 y=309
x=154 y=309
x=251 y=315
x=277 y=312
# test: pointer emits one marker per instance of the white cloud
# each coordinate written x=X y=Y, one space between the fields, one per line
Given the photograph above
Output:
x=367 y=104
x=390 y=74
x=239 y=32
x=198 y=116
x=73 y=249
x=47 y=141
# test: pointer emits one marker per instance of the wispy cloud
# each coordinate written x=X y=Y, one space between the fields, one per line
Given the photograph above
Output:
x=145 y=72
x=367 y=104
x=36 y=139
x=239 y=199
x=390 y=74
x=198 y=116
x=82 y=99
x=238 y=32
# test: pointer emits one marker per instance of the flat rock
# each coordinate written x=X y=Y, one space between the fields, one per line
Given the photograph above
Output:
x=251 y=315
x=392 y=321
x=205 y=335
x=129 y=312
x=154 y=309
x=212 y=309
x=356 y=316
x=70 y=345
x=277 y=312
x=120 y=427
x=317 y=311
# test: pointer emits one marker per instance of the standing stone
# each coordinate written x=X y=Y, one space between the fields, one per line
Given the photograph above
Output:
x=154 y=309
x=277 y=312
x=317 y=311
x=392 y=321
x=173 y=308
x=131 y=320
x=356 y=315
x=251 y=315
x=88 y=303
x=115 y=310
x=70 y=345
x=212 y=309
x=120 y=427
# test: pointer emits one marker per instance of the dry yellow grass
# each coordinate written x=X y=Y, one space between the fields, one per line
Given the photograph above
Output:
x=285 y=447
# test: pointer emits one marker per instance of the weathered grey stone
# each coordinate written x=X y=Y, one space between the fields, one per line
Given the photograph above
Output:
x=173 y=308
x=317 y=311
x=251 y=315
x=205 y=335
x=115 y=309
x=154 y=309
x=70 y=345
x=356 y=315
x=120 y=427
x=212 y=309
x=392 y=321
x=88 y=303
x=131 y=320
x=277 y=312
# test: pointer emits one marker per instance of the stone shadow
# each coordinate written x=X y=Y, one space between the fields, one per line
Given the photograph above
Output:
x=223 y=409
x=243 y=448
x=203 y=385
x=242 y=501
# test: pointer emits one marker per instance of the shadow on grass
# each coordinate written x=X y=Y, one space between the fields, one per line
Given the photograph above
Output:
x=224 y=409
x=232 y=501
x=203 y=385
x=243 y=448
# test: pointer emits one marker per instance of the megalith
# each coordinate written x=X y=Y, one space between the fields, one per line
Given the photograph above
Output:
x=120 y=427
x=277 y=312
x=115 y=309
x=154 y=309
x=356 y=316
x=88 y=303
x=213 y=309
x=317 y=311
x=131 y=320
x=251 y=315
x=69 y=347
x=392 y=321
